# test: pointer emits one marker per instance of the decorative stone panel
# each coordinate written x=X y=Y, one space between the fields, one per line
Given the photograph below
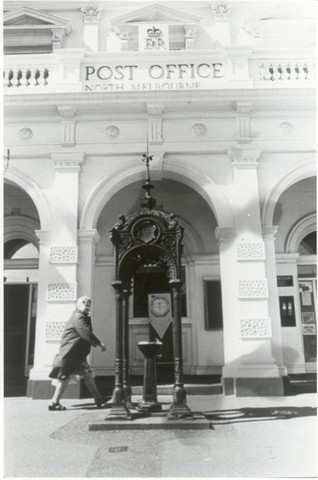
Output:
x=255 y=328
x=287 y=128
x=199 y=129
x=253 y=289
x=54 y=330
x=63 y=254
x=61 y=292
x=250 y=251
x=112 y=131
x=26 y=133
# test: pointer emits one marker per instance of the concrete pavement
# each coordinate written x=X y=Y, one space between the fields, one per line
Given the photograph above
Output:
x=249 y=437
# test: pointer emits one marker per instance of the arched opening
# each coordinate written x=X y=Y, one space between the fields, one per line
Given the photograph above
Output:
x=21 y=220
x=200 y=274
x=308 y=246
x=295 y=214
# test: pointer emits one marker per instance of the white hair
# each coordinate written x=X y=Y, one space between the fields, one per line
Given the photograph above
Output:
x=83 y=299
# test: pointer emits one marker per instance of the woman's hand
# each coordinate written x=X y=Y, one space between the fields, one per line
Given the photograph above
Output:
x=103 y=347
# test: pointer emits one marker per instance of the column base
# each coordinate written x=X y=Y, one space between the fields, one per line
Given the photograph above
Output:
x=118 y=412
x=43 y=389
x=254 y=387
x=179 y=411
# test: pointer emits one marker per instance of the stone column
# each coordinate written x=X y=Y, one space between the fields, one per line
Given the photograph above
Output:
x=229 y=280
x=58 y=269
x=42 y=361
x=119 y=409
x=91 y=17
x=87 y=240
x=254 y=371
x=273 y=302
x=179 y=408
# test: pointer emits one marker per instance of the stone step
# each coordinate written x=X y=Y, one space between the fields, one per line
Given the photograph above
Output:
x=191 y=389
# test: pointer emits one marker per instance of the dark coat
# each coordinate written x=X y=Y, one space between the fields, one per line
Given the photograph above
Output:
x=77 y=340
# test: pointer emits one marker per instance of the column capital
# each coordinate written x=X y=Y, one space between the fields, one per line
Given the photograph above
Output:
x=243 y=107
x=69 y=161
x=91 y=14
x=221 y=11
x=224 y=234
x=244 y=157
x=89 y=236
x=44 y=236
x=154 y=108
x=269 y=232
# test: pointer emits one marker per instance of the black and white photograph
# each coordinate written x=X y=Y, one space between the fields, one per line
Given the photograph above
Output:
x=159 y=294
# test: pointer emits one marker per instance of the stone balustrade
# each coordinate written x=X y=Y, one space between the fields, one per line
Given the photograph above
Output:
x=64 y=69
x=286 y=71
x=15 y=77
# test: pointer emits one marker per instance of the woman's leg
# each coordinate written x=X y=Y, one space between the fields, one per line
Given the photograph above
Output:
x=91 y=385
x=59 y=389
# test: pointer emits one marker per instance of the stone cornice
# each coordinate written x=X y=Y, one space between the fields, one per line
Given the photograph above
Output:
x=43 y=236
x=88 y=236
x=244 y=157
x=224 y=234
x=70 y=161
x=269 y=232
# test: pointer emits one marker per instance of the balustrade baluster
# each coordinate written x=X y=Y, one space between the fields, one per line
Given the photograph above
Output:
x=41 y=77
x=302 y=74
x=32 y=79
x=15 y=78
x=23 y=80
x=293 y=72
x=6 y=78
x=284 y=73
x=276 y=73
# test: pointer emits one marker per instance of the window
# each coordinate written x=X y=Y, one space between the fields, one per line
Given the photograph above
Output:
x=287 y=311
x=213 y=305
x=285 y=281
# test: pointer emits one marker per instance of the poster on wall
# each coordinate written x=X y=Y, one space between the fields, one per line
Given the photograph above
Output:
x=306 y=299
x=153 y=37
x=309 y=329
x=308 y=317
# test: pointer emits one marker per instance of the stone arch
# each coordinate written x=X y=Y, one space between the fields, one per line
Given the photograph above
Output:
x=20 y=227
x=306 y=170
x=34 y=192
x=299 y=231
x=173 y=170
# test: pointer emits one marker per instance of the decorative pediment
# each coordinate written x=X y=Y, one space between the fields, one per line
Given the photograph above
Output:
x=176 y=28
x=156 y=13
x=27 y=30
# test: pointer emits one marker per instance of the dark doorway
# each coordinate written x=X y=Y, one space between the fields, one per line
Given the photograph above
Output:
x=155 y=281
x=19 y=335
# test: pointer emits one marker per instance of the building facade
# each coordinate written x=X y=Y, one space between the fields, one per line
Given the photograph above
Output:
x=222 y=95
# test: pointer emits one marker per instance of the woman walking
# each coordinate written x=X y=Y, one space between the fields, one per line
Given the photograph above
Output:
x=76 y=343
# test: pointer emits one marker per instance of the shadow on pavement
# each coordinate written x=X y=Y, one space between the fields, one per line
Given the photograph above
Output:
x=258 y=414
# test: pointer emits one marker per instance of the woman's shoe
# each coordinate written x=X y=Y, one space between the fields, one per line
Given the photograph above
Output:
x=99 y=402
x=56 y=407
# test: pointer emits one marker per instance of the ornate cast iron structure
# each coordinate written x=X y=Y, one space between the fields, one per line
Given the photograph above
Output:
x=149 y=237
